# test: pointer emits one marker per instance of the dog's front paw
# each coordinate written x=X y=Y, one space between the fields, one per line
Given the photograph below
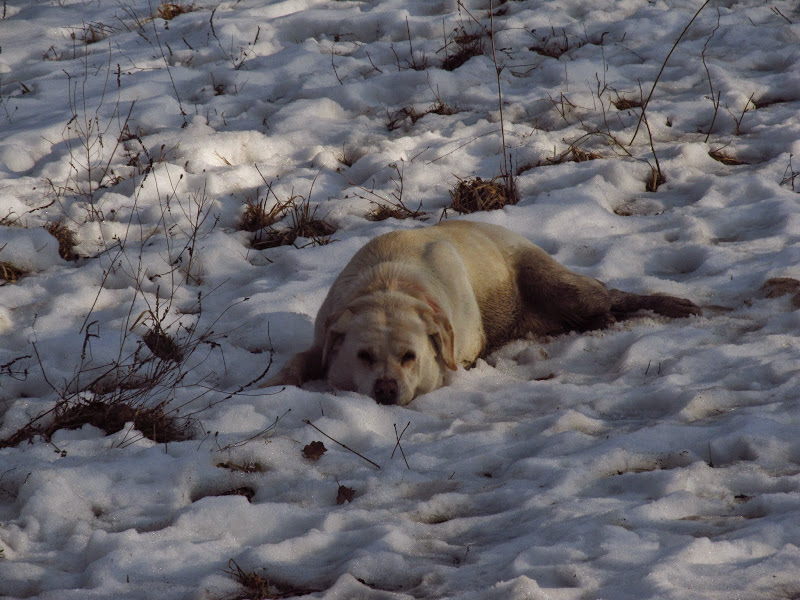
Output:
x=673 y=307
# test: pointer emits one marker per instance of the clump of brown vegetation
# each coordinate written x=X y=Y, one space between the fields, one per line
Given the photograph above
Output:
x=572 y=154
x=473 y=195
x=153 y=422
x=394 y=207
x=627 y=103
x=726 y=159
x=261 y=587
x=304 y=224
x=409 y=113
x=91 y=33
x=262 y=216
x=66 y=239
x=10 y=273
x=399 y=211
x=553 y=44
x=259 y=214
x=170 y=10
x=162 y=345
x=776 y=287
x=243 y=467
x=462 y=46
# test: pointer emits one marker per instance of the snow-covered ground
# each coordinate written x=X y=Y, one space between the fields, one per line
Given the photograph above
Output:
x=656 y=459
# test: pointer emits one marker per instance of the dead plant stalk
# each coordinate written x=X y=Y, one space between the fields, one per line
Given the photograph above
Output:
x=664 y=66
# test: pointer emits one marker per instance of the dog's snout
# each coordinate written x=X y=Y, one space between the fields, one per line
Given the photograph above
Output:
x=386 y=391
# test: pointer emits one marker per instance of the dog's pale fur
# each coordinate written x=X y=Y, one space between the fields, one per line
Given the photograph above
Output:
x=413 y=304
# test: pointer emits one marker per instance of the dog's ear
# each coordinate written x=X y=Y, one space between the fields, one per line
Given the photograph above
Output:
x=335 y=328
x=441 y=332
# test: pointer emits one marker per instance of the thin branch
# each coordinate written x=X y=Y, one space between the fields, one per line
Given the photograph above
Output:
x=397 y=445
x=374 y=464
x=663 y=66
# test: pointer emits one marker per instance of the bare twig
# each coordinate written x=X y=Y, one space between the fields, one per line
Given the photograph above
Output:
x=780 y=14
x=374 y=464
x=708 y=75
x=397 y=445
x=663 y=66
x=738 y=129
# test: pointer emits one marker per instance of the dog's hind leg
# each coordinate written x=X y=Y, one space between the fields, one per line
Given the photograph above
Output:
x=625 y=304
x=557 y=300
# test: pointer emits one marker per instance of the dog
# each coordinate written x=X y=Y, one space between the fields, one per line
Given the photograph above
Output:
x=412 y=305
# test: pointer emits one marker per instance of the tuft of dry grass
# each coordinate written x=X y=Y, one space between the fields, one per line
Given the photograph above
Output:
x=258 y=215
x=391 y=206
x=467 y=45
x=571 y=154
x=399 y=211
x=261 y=587
x=154 y=422
x=775 y=287
x=553 y=44
x=66 y=239
x=304 y=224
x=170 y=10
x=409 y=113
x=10 y=273
x=243 y=467
x=91 y=33
x=627 y=103
x=473 y=195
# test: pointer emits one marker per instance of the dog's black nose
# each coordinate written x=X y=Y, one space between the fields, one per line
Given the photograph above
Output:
x=386 y=391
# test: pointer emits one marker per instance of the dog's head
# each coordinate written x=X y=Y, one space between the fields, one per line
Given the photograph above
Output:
x=388 y=345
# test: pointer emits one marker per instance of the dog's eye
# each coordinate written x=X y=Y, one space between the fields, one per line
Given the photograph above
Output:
x=365 y=356
x=408 y=358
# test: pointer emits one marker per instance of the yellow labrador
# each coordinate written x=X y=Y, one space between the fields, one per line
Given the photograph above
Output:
x=413 y=304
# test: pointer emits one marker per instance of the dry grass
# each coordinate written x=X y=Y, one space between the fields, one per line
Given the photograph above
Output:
x=392 y=205
x=303 y=221
x=91 y=33
x=627 y=103
x=782 y=286
x=259 y=215
x=170 y=10
x=399 y=211
x=243 y=467
x=473 y=195
x=466 y=45
x=304 y=224
x=553 y=44
x=10 y=273
x=261 y=587
x=153 y=422
x=776 y=287
x=399 y=118
x=66 y=239
x=571 y=154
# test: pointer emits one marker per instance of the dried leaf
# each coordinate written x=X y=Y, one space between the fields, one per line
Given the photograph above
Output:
x=314 y=450
x=345 y=494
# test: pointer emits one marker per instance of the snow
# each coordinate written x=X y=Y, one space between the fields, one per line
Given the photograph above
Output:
x=657 y=459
